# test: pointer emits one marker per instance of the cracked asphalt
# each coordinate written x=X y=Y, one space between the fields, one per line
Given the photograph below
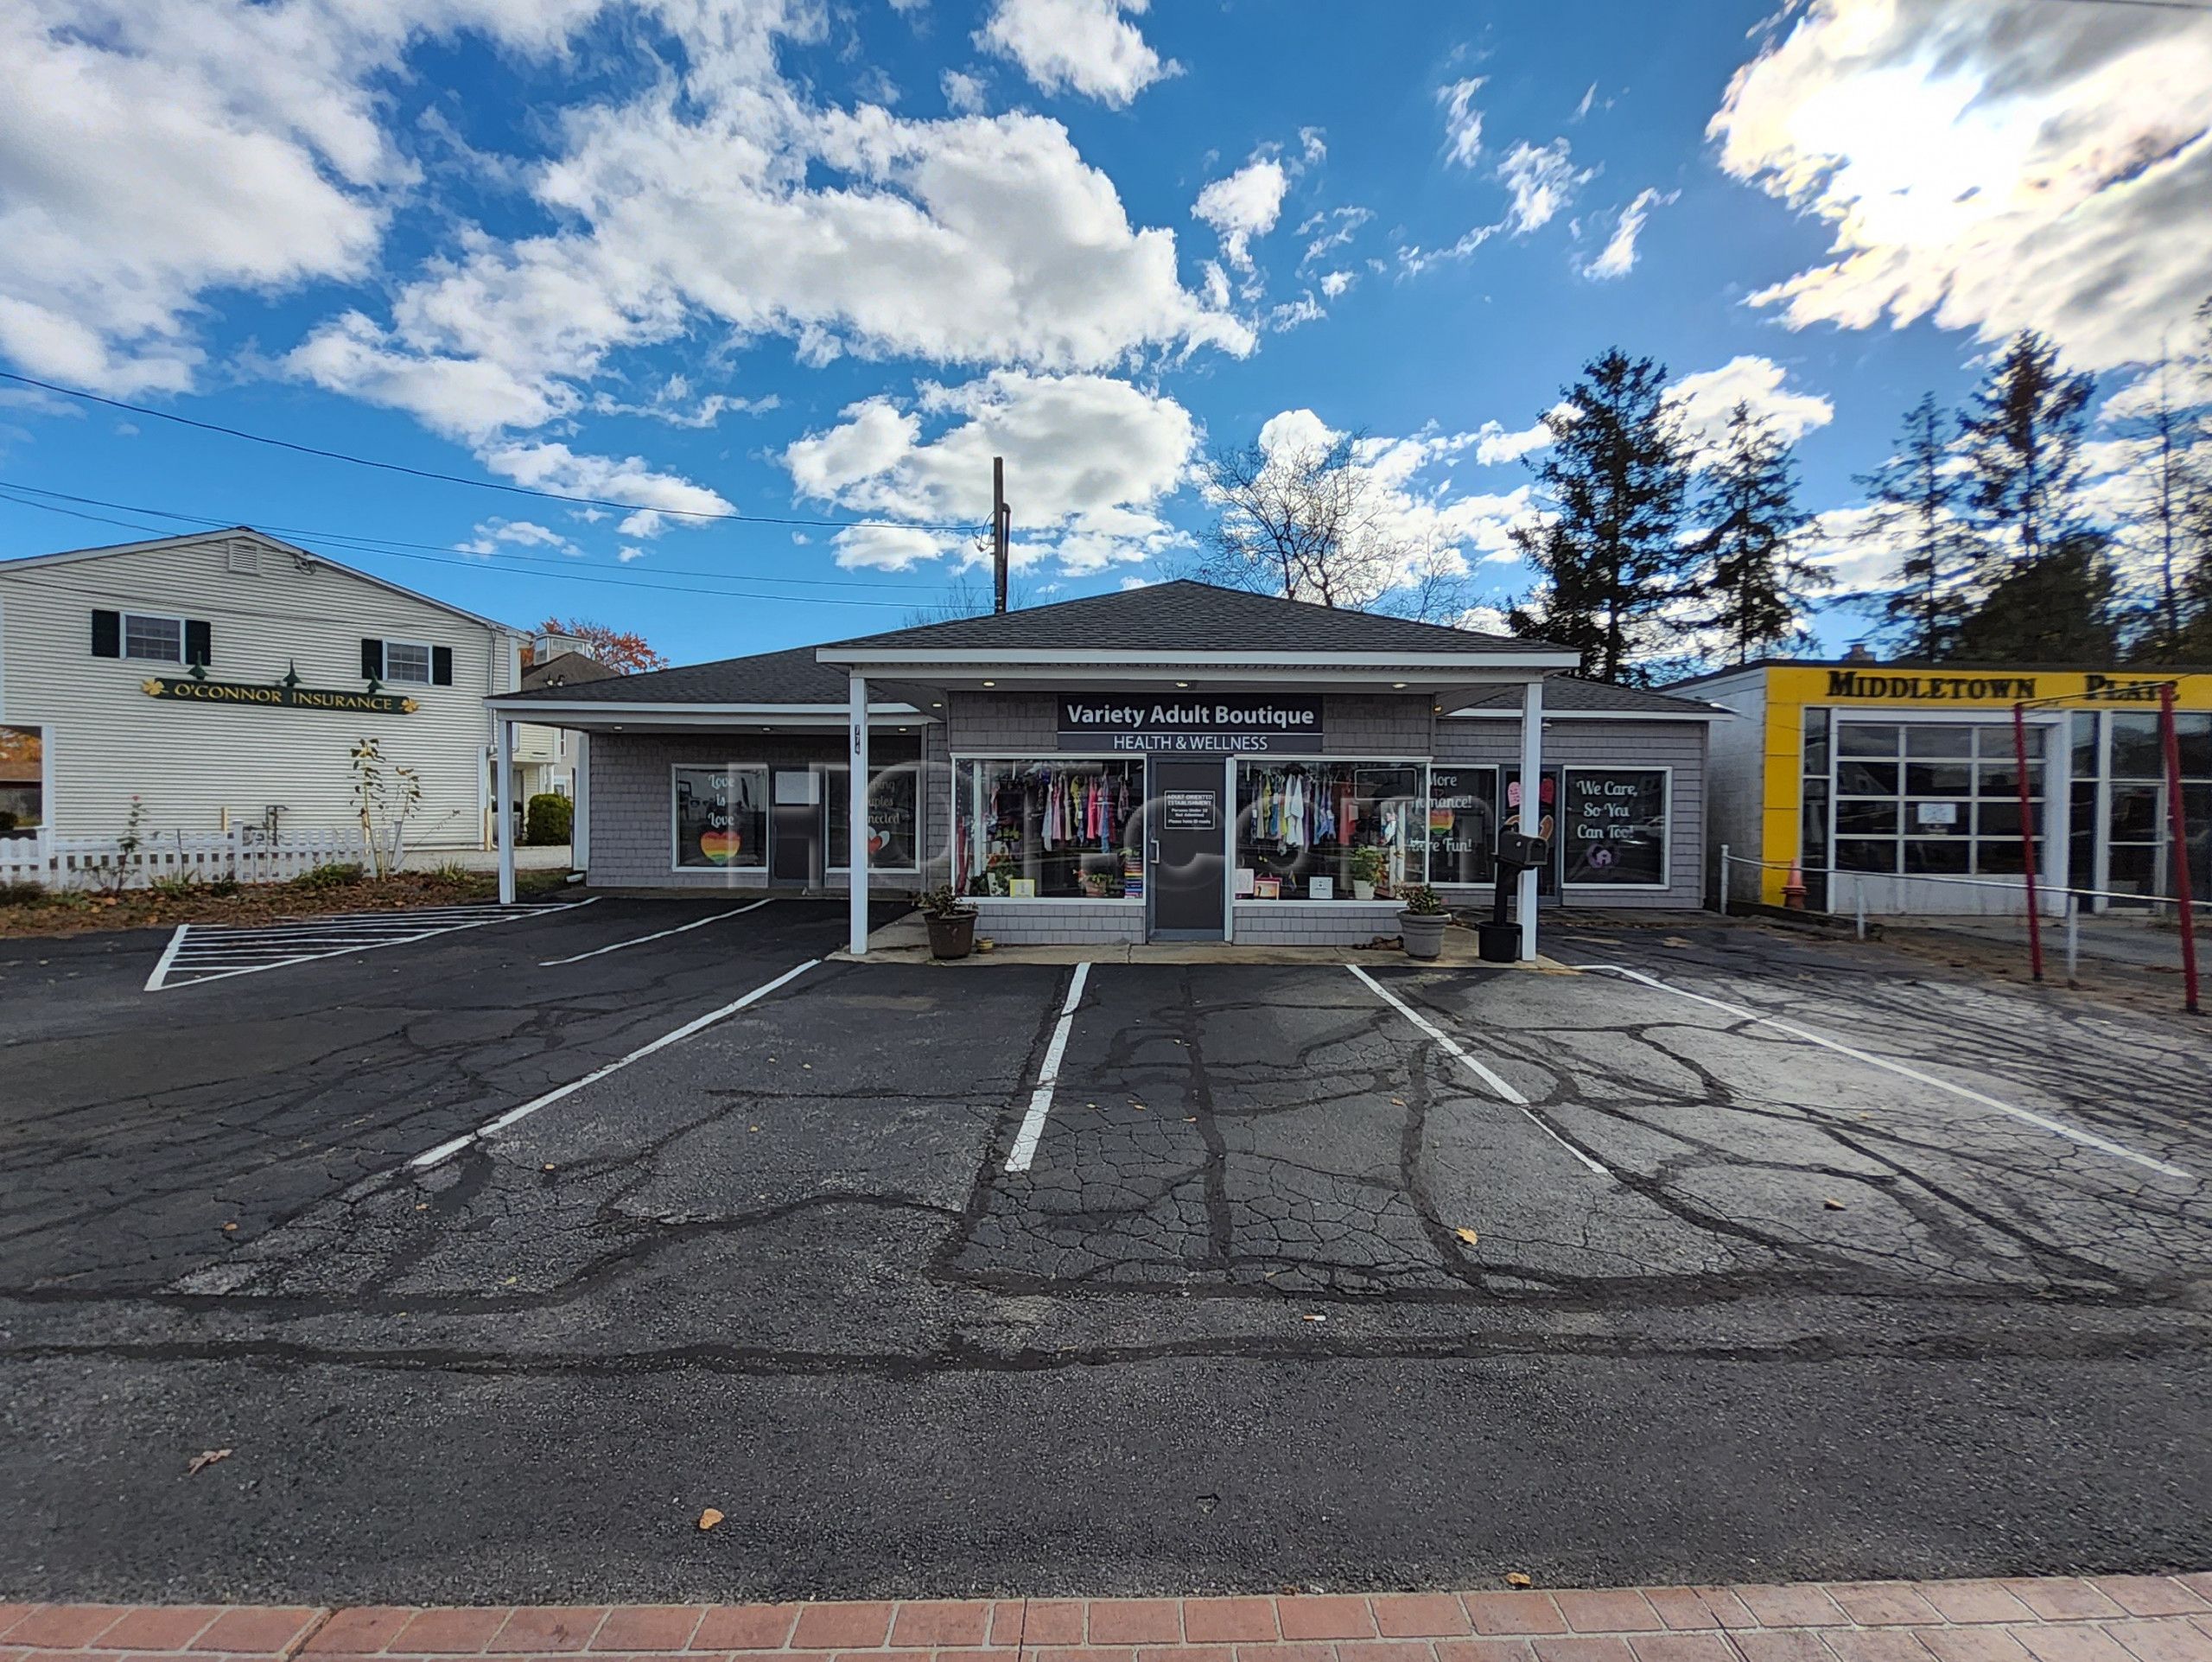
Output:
x=1289 y=1294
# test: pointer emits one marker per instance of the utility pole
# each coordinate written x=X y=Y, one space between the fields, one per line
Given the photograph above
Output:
x=1001 y=525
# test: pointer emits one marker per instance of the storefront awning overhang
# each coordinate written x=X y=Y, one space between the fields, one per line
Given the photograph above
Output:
x=604 y=716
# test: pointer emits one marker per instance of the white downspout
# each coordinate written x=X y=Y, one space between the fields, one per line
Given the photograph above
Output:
x=856 y=816
x=1532 y=790
x=502 y=818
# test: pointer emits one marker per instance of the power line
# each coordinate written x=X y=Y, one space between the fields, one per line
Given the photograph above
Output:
x=357 y=541
x=2152 y=5
x=477 y=565
x=480 y=484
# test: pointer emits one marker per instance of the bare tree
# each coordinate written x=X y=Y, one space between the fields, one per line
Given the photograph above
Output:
x=1309 y=521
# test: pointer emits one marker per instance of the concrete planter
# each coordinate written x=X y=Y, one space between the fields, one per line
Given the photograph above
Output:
x=1422 y=933
x=951 y=935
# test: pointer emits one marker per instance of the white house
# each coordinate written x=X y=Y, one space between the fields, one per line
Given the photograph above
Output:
x=224 y=679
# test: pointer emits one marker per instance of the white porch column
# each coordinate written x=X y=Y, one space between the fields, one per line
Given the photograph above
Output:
x=1532 y=807
x=856 y=815
x=580 y=815
x=503 y=819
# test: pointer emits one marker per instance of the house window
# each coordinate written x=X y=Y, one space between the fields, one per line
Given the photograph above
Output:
x=153 y=639
x=407 y=661
x=721 y=817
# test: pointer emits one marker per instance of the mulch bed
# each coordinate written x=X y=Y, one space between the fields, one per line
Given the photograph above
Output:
x=81 y=912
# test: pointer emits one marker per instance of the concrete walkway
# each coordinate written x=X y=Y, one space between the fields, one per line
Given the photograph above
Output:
x=2064 y=1619
x=905 y=940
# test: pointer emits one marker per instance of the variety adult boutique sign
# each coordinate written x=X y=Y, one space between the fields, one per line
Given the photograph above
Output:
x=1239 y=724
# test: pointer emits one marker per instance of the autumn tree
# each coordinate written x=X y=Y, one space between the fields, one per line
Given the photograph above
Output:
x=1753 y=585
x=1913 y=510
x=1606 y=548
x=618 y=649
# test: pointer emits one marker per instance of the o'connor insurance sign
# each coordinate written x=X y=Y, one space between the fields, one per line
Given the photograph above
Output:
x=1216 y=724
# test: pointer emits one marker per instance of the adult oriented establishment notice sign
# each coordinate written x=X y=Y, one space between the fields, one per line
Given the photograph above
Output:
x=278 y=697
x=1239 y=724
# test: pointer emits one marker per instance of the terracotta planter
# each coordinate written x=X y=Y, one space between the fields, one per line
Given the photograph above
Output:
x=1423 y=932
x=951 y=936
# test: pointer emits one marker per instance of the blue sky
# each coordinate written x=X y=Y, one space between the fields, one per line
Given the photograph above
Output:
x=820 y=261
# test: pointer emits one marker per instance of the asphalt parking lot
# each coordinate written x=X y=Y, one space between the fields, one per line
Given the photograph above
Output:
x=496 y=1255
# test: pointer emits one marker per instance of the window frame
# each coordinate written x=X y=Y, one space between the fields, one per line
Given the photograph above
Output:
x=124 y=619
x=960 y=879
x=676 y=825
x=2051 y=763
x=1420 y=765
x=829 y=770
x=430 y=664
x=1667 y=817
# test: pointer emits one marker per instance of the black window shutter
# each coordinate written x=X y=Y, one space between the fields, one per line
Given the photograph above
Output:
x=440 y=666
x=372 y=660
x=107 y=635
x=197 y=643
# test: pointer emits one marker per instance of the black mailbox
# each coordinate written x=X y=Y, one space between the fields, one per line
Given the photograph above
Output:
x=1520 y=850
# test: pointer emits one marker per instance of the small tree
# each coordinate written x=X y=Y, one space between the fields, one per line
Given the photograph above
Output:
x=1913 y=498
x=1754 y=586
x=618 y=649
x=1607 y=551
x=2057 y=609
x=383 y=791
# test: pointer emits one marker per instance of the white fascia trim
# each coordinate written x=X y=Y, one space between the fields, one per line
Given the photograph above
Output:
x=1464 y=664
x=614 y=707
x=1551 y=715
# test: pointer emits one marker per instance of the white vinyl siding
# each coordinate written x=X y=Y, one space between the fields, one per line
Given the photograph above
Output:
x=107 y=740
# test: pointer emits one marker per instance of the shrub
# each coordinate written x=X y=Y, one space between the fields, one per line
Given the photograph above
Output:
x=550 y=817
x=23 y=895
x=9 y=820
x=329 y=876
x=181 y=887
x=221 y=888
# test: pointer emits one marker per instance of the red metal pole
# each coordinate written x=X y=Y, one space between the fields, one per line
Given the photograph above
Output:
x=2028 y=839
x=2179 y=819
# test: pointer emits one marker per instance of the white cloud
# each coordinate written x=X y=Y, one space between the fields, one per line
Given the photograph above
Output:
x=1463 y=122
x=677 y=402
x=964 y=93
x=1080 y=46
x=1494 y=445
x=1087 y=457
x=1243 y=206
x=1999 y=165
x=629 y=553
x=1618 y=256
x=890 y=548
x=1704 y=400
x=554 y=467
x=1542 y=179
x=1334 y=283
x=1589 y=97
x=1313 y=145
x=1330 y=229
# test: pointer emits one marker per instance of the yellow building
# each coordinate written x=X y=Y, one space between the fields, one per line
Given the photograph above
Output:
x=1899 y=786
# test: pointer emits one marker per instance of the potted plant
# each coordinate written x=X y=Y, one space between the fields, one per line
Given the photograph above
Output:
x=951 y=921
x=1367 y=870
x=1421 y=921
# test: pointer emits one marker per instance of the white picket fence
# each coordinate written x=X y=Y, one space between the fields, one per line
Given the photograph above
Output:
x=243 y=854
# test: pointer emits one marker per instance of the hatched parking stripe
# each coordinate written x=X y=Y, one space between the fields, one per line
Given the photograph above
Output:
x=199 y=953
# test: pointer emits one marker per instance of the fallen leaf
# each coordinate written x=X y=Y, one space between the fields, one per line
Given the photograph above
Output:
x=1833 y=1204
x=549 y=1166
x=1467 y=1235
x=708 y=1518
x=230 y=1229
x=1313 y=1318
x=1518 y=1578
x=1397 y=1102
x=201 y=1462
x=422 y=1206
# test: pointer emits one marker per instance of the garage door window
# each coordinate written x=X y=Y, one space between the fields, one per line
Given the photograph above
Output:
x=1932 y=799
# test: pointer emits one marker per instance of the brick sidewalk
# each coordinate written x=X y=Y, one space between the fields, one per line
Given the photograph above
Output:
x=2110 y=1619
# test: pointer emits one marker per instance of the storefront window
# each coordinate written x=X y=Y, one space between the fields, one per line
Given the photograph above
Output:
x=721 y=817
x=1614 y=827
x=1049 y=830
x=1938 y=800
x=1462 y=825
x=893 y=820
x=1315 y=831
x=2141 y=830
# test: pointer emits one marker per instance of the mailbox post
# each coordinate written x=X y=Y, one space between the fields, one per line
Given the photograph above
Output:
x=1499 y=941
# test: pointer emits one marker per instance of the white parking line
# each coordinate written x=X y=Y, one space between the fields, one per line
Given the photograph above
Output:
x=446 y=1150
x=1040 y=1099
x=658 y=934
x=199 y=953
x=1453 y=1049
x=2072 y=1133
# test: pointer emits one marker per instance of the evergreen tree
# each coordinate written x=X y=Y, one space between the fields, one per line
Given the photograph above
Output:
x=2058 y=609
x=1754 y=583
x=1912 y=497
x=2021 y=439
x=1607 y=551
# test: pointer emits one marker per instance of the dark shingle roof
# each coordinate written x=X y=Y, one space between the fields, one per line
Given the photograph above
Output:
x=784 y=677
x=1185 y=616
x=1570 y=695
x=565 y=669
